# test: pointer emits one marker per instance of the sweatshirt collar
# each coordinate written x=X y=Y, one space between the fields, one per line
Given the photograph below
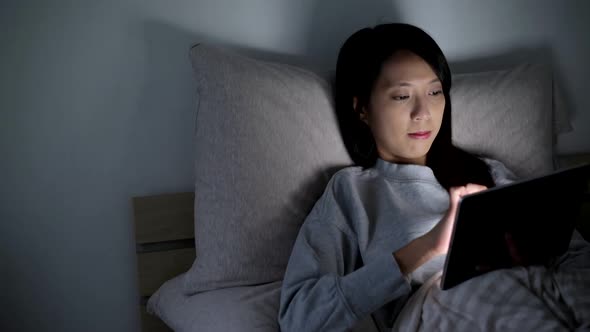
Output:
x=405 y=171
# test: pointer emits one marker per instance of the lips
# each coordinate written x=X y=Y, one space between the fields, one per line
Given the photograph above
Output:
x=420 y=134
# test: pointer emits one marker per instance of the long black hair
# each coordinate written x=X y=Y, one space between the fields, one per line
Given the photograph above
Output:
x=359 y=64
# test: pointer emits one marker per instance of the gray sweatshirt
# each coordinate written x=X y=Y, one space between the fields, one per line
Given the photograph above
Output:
x=342 y=272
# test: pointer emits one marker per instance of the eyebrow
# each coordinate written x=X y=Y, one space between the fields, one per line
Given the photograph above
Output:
x=390 y=84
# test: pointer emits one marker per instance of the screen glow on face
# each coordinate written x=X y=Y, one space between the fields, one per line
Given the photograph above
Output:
x=405 y=109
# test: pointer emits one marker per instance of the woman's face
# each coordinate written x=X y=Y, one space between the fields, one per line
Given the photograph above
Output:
x=405 y=109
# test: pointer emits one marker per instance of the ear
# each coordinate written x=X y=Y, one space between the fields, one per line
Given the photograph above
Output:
x=363 y=114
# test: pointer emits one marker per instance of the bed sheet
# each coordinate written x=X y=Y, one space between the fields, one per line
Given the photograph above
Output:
x=535 y=298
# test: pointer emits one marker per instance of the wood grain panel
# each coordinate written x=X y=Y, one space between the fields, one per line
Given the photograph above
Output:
x=155 y=268
x=164 y=217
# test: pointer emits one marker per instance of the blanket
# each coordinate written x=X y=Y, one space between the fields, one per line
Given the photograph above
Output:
x=555 y=297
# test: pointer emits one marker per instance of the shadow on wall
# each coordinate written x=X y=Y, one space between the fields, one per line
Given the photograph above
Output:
x=163 y=120
x=331 y=25
x=542 y=55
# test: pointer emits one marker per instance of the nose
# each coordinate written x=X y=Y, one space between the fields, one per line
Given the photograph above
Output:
x=420 y=110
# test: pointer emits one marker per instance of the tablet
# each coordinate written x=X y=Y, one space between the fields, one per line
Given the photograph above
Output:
x=538 y=215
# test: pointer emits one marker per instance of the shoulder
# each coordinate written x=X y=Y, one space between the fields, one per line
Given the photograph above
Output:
x=342 y=197
x=348 y=174
x=348 y=180
x=499 y=172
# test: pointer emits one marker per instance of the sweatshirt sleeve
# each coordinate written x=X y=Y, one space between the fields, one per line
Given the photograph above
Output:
x=325 y=288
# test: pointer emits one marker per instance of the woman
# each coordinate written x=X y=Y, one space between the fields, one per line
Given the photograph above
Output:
x=384 y=225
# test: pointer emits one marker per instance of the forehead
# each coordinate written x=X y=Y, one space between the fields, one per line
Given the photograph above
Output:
x=405 y=66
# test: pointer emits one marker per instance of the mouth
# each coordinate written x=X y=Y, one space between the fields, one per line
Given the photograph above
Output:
x=420 y=134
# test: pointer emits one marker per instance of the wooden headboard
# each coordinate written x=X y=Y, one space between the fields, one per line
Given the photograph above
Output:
x=164 y=237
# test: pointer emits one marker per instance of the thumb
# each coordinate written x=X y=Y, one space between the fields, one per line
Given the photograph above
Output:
x=456 y=193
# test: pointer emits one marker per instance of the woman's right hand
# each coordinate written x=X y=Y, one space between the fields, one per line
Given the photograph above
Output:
x=440 y=235
x=436 y=241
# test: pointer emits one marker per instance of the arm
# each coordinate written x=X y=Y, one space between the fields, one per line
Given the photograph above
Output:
x=414 y=254
x=436 y=241
x=322 y=290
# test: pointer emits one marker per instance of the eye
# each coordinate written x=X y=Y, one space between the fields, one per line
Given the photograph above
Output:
x=436 y=93
x=399 y=98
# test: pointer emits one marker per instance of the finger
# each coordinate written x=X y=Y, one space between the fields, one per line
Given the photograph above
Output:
x=455 y=195
x=457 y=191
x=471 y=188
x=475 y=186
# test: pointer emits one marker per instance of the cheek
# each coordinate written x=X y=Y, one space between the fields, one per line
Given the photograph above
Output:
x=393 y=125
x=389 y=118
x=384 y=124
x=439 y=110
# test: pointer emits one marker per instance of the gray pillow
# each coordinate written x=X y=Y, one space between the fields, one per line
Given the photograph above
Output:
x=509 y=115
x=266 y=144
x=246 y=309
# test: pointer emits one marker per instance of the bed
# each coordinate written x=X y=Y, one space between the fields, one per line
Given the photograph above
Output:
x=266 y=143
